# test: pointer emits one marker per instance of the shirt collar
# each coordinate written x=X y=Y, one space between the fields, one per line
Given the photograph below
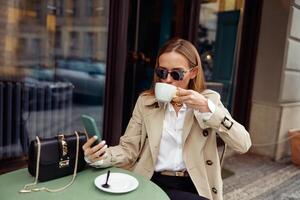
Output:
x=170 y=107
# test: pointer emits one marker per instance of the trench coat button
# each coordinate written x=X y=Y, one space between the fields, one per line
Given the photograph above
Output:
x=209 y=162
x=205 y=132
x=214 y=190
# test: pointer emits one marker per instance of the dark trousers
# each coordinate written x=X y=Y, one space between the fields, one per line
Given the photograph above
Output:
x=177 y=188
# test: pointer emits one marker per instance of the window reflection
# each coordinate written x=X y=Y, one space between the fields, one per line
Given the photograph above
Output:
x=217 y=37
x=53 y=66
x=207 y=36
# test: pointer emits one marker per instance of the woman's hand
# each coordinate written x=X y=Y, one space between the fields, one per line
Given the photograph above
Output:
x=96 y=152
x=193 y=99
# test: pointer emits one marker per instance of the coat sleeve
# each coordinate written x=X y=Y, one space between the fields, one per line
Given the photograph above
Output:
x=126 y=152
x=233 y=133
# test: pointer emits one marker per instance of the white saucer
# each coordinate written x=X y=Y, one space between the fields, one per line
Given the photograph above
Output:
x=118 y=183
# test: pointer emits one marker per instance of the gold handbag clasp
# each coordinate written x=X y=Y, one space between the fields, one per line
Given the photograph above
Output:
x=63 y=163
x=64 y=159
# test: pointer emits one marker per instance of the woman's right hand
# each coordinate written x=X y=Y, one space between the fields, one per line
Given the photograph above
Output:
x=95 y=153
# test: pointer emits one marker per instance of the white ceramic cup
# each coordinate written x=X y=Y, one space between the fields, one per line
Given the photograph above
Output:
x=165 y=92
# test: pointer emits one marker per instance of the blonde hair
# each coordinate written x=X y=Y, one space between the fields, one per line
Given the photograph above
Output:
x=189 y=51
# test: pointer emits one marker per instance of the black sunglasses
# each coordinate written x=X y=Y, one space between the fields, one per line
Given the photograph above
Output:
x=177 y=74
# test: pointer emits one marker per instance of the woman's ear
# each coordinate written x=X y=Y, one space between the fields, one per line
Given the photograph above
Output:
x=194 y=72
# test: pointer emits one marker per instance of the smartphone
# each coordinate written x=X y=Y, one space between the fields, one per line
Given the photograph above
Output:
x=91 y=128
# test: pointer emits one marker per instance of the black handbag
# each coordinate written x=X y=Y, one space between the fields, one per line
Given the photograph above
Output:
x=52 y=158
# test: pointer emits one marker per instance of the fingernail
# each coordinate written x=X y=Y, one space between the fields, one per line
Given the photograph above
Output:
x=95 y=136
x=105 y=146
x=102 y=142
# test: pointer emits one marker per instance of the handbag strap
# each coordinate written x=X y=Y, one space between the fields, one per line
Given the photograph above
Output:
x=29 y=187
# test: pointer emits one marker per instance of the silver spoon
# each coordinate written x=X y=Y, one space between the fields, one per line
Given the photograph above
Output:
x=106 y=185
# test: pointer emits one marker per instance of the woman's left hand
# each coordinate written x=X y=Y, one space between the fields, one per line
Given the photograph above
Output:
x=192 y=98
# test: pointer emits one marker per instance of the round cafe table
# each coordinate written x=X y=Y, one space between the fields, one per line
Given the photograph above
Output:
x=82 y=188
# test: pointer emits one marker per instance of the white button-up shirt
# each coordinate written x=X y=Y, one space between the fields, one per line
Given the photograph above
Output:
x=170 y=150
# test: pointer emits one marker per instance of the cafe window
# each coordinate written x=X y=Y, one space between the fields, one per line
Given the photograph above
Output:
x=59 y=7
x=73 y=41
x=217 y=44
x=96 y=7
x=52 y=70
x=89 y=44
x=100 y=6
x=57 y=40
x=89 y=8
x=22 y=48
x=36 y=49
x=72 y=8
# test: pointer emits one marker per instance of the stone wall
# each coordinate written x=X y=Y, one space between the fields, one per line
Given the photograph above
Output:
x=276 y=92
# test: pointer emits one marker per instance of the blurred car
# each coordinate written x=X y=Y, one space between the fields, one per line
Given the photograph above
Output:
x=87 y=76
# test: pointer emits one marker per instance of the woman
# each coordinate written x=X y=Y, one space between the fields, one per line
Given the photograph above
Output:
x=174 y=144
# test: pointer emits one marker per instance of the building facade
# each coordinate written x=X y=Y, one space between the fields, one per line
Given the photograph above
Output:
x=276 y=92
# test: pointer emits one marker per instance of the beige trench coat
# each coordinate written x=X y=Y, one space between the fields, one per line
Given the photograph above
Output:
x=139 y=146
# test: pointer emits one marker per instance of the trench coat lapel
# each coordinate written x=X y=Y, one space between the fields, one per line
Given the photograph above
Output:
x=154 y=126
x=188 y=123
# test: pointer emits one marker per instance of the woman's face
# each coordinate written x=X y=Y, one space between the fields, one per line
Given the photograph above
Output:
x=175 y=61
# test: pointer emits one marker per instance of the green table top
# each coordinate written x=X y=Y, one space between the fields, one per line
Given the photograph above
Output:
x=82 y=188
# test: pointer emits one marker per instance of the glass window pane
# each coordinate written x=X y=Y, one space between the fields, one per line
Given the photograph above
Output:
x=217 y=36
x=53 y=67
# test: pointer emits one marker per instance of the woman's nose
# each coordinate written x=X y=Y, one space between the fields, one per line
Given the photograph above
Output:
x=169 y=78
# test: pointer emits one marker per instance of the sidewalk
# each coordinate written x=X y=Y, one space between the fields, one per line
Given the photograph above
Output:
x=260 y=178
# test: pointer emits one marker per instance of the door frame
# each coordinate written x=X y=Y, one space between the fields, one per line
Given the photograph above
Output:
x=247 y=61
x=116 y=64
